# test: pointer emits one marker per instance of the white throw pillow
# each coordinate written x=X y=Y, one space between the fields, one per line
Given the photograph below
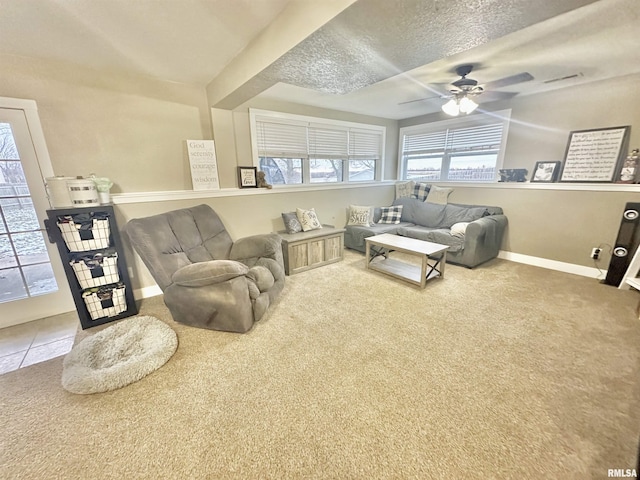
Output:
x=358 y=215
x=308 y=219
x=405 y=189
x=439 y=195
x=459 y=229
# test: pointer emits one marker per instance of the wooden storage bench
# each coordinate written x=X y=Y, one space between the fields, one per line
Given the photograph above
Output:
x=306 y=250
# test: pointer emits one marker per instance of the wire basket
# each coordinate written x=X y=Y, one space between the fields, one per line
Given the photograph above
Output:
x=96 y=270
x=105 y=301
x=85 y=231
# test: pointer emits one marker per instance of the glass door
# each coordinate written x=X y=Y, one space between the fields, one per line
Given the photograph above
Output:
x=32 y=281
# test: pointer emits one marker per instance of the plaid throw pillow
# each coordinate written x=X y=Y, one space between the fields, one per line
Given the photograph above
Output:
x=391 y=214
x=421 y=190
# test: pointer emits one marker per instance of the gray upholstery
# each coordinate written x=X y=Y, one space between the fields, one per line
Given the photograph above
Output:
x=208 y=280
x=432 y=222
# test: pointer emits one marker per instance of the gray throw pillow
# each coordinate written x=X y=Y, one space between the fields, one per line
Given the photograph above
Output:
x=291 y=222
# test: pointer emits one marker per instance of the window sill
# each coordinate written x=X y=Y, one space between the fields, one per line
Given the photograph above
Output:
x=168 y=196
x=593 y=187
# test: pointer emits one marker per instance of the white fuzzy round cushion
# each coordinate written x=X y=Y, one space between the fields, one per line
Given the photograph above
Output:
x=118 y=355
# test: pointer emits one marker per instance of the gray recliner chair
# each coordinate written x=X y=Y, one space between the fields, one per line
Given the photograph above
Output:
x=208 y=280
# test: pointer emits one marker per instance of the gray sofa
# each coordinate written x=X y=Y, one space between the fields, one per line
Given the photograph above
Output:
x=208 y=280
x=432 y=222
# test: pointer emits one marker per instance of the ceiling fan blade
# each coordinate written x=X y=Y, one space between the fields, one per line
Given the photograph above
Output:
x=507 y=81
x=420 y=99
x=494 y=96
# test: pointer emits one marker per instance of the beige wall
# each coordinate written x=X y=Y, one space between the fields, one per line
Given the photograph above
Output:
x=540 y=124
x=240 y=148
x=562 y=225
x=260 y=212
x=556 y=225
x=131 y=129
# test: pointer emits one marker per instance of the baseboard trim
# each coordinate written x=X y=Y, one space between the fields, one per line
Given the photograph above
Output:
x=154 y=290
x=146 y=292
x=590 y=272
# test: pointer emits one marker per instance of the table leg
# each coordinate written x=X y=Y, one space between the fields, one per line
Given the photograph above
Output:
x=367 y=254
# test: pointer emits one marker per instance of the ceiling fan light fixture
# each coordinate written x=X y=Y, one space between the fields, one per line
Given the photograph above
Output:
x=467 y=105
x=451 y=107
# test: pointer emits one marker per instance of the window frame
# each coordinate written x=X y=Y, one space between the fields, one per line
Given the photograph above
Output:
x=312 y=124
x=476 y=120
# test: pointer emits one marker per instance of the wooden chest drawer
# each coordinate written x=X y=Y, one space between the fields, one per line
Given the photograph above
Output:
x=305 y=250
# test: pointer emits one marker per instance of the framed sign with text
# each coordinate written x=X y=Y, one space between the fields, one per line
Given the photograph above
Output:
x=247 y=177
x=594 y=155
x=204 y=165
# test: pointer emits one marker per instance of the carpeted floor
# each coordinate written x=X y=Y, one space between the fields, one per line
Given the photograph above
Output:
x=502 y=372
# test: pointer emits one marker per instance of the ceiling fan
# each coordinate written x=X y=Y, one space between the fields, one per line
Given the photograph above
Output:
x=466 y=87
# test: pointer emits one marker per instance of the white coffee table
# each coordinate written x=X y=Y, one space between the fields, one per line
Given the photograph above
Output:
x=433 y=256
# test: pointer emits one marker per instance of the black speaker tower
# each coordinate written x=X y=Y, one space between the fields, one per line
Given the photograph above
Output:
x=626 y=244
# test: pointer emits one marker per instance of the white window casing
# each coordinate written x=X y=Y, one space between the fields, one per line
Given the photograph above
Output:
x=281 y=135
x=474 y=135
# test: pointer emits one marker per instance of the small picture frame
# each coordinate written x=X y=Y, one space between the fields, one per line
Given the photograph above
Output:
x=546 y=172
x=513 y=175
x=248 y=177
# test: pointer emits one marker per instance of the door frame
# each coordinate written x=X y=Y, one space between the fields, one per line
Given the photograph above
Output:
x=64 y=303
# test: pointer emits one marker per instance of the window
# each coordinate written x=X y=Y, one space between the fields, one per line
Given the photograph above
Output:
x=461 y=150
x=294 y=149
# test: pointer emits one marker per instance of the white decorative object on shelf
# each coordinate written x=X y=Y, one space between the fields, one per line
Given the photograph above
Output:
x=204 y=165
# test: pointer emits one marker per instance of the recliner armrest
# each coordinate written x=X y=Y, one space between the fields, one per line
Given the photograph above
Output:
x=208 y=273
x=265 y=245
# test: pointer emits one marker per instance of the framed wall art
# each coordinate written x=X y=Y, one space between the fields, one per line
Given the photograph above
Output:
x=248 y=177
x=546 y=172
x=594 y=155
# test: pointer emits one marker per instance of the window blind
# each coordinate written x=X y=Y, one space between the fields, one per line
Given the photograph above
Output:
x=327 y=142
x=365 y=144
x=281 y=139
x=482 y=137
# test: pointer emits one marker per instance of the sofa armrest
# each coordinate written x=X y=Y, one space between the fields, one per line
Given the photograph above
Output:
x=486 y=230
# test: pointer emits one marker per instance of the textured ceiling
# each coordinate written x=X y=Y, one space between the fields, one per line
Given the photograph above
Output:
x=376 y=39
x=411 y=48
x=376 y=57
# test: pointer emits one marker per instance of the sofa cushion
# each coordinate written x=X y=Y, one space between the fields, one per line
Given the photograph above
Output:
x=360 y=215
x=435 y=235
x=459 y=229
x=390 y=214
x=405 y=189
x=421 y=191
x=429 y=215
x=308 y=219
x=291 y=222
x=439 y=195
x=455 y=214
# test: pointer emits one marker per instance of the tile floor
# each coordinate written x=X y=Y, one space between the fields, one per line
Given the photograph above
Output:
x=37 y=341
